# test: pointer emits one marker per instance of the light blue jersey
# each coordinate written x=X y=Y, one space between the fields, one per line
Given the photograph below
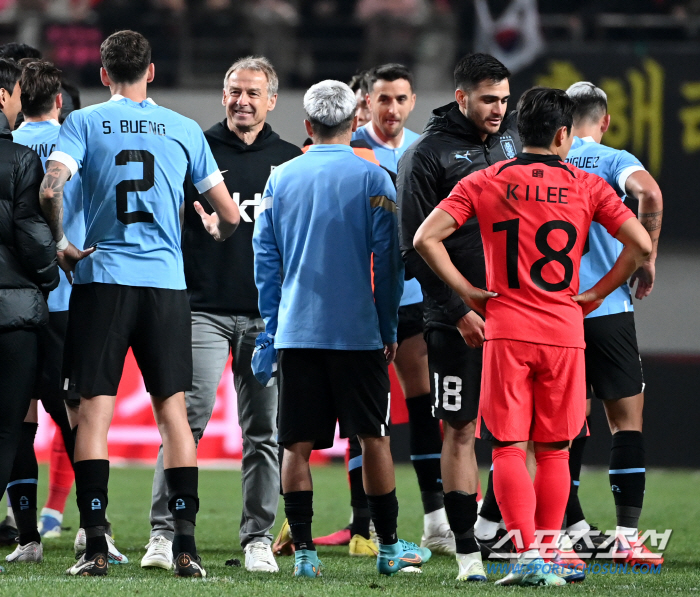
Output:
x=41 y=137
x=133 y=158
x=389 y=158
x=613 y=166
x=323 y=216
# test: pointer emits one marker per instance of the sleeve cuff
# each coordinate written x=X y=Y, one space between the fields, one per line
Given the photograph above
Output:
x=209 y=182
x=453 y=212
x=625 y=174
x=66 y=160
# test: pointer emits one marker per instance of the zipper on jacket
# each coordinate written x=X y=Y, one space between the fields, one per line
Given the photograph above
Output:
x=487 y=153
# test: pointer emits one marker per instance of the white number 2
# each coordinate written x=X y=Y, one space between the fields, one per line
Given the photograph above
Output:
x=451 y=397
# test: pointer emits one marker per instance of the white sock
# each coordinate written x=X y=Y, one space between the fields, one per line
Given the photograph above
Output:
x=433 y=521
x=630 y=535
x=54 y=513
x=581 y=525
x=485 y=529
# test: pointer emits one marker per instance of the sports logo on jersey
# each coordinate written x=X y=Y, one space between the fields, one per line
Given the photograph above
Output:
x=508 y=147
x=461 y=155
x=538 y=173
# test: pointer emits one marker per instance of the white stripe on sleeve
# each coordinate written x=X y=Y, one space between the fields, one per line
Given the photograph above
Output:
x=625 y=174
x=66 y=160
x=209 y=182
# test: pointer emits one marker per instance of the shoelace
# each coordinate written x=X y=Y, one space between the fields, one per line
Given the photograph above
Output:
x=260 y=551
x=407 y=545
x=161 y=546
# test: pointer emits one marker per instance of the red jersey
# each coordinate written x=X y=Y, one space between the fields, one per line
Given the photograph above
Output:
x=534 y=213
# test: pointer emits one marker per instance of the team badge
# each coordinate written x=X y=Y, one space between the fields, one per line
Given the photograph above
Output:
x=508 y=147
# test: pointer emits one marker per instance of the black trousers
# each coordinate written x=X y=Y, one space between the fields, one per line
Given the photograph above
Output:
x=19 y=351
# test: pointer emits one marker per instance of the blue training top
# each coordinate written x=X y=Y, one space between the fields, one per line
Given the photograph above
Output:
x=41 y=137
x=322 y=217
x=613 y=166
x=389 y=158
x=133 y=158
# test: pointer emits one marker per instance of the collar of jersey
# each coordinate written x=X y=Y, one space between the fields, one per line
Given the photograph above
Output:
x=372 y=133
x=116 y=97
x=538 y=157
x=52 y=121
x=587 y=139
x=330 y=147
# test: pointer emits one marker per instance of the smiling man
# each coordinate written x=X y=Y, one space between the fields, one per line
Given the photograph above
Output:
x=462 y=137
x=225 y=316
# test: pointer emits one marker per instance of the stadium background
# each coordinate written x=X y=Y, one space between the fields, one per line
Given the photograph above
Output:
x=644 y=53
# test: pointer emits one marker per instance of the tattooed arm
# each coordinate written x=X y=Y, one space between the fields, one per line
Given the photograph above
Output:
x=642 y=186
x=51 y=199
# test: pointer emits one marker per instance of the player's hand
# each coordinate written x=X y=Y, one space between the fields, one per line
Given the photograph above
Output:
x=471 y=326
x=390 y=352
x=477 y=299
x=210 y=222
x=588 y=300
x=644 y=277
x=69 y=257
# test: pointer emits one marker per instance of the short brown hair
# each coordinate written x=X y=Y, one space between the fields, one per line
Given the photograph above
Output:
x=125 y=56
x=259 y=64
x=40 y=84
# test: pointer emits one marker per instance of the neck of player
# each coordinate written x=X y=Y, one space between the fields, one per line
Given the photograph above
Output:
x=53 y=115
x=247 y=135
x=394 y=142
x=592 y=131
x=136 y=92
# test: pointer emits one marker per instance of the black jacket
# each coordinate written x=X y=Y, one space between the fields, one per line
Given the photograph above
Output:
x=449 y=149
x=220 y=275
x=28 y=266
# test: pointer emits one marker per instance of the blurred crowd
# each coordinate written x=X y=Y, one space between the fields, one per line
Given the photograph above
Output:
x=309 y=40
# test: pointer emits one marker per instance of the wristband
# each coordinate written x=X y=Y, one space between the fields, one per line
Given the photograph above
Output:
x=62 y=244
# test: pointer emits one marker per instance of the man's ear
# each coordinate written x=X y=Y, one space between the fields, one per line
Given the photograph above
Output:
x=151 y=73
x=3 y=97
x=561 y=135
x=309 y=129
x=461 y=98
x=605 y=124
x=104 y=77
x=271 y=103
x=59 y=101
x=355 y=120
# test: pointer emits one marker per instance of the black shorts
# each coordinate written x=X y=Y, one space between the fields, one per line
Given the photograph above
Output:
x=49 y=383
x=410 y=322
x=106 y=319
x=455 y=374
x=319 y=387
x=613 y=365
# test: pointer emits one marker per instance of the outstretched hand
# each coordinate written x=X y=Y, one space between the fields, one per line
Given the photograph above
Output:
x=69 y=257
x=588 y=300
x=209 y=221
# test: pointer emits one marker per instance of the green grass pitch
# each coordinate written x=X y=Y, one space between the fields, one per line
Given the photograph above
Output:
x=671 y=502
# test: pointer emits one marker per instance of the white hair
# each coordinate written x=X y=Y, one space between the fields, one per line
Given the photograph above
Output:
x=329 y=103
x=584 y=89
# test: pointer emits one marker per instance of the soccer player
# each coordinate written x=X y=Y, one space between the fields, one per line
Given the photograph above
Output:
x=28 y=272
x=358 y=84
x=613 y=365
x=464 y=136
x=225 y=316
x=41 y=104
x=391 y=100
x=129 y=286
x=325 y=215
x=534 y=213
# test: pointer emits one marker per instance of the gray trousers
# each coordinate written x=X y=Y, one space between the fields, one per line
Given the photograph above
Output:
x=212 y=337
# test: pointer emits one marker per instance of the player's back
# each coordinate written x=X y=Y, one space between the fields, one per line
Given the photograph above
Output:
x=41 y=137
x=133 y=158
x=613 y=166
x=322 y=204
x=534 y=213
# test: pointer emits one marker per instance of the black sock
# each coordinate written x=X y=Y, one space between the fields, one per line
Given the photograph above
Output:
x=358 y=499
x=384 y=510
x=183 y=504
x=22 y=486
x=574 y=512
x=627 y=476
x=461 y=508
x=489 y=508
x=299 y=510
x=426 y=446
x=91 y=481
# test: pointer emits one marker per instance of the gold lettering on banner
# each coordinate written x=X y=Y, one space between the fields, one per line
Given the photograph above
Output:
x=647 y=112
x=690 y=117
x=562 y=74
